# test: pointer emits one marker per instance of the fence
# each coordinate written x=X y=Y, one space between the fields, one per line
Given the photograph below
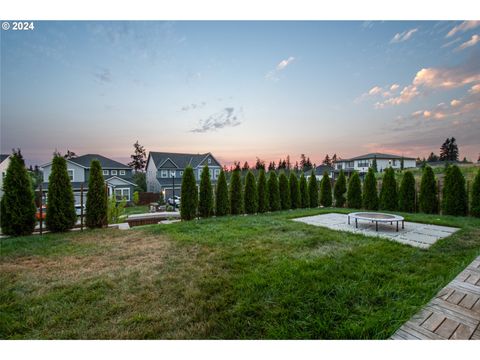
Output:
x=145 y=198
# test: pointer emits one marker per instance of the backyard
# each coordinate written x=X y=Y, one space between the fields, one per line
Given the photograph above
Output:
x=242 y=277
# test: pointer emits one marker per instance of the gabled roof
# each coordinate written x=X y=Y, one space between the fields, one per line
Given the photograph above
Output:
x=106 y=163
x=181 y=160
x=376 y=155
x=3 y=157
x=320 y=169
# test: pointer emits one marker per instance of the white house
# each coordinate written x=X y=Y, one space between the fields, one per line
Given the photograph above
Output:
x=4 y=162
x=363 y=162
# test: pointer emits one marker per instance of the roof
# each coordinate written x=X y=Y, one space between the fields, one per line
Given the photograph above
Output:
x=378 y=156
x=3 y=157
x=106 y=163
x=181 y=160
x=320 y=169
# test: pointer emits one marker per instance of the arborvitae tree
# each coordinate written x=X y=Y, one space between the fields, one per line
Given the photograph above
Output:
x=454 y=196
x=339 y=190
x=370 y=196
x=295 y=200
x=427 y=198
x=388 y=193
x=262 y=192
x=475 y=196
x=284 y=191
x=205 y=204
x=236 y=206
x=97 y=204
x=273 y=192
x=250 y=196
x=17 y=210
x=354 y=193
x=326 y=190
x=313 y=190
x=221 y=196
x=304 y=200
x=189 y=203
x=374 y=164
x=61 y=214
x=406 y=196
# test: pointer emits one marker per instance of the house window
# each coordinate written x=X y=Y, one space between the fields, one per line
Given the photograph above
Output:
x=70 y=174
x=181 y=173
x=164 y=174
x=209 y=160
x=113 y=172
x=172 y=173
x=121 y=193
x=105 y=172
x=216 y=173
x=122 y=172
x=339 y=166
x=351 y=164
x=394 y=162
x=364 y=163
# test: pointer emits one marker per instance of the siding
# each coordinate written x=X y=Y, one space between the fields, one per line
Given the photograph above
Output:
x=152 y=182
x=78 y=172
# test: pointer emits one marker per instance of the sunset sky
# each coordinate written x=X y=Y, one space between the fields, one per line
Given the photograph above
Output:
x=241 y=89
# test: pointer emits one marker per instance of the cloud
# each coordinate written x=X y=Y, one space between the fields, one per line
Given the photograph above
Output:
x=406 y=95
x=455 y=103
x=103 y=75
x=193 y=106
x=451 y=42
x=475 y=89
x=394 y=87
x=464 y=26
x=445 y=78
x=472 y=42
x=375 y=90
x=273 y=74
x=225 y=118
x=404 y=36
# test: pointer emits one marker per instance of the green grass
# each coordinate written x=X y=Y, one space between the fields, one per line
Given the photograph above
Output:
x=137 y=209
x=244 y=277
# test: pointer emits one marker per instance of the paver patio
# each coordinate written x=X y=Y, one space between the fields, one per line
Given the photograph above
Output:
x=414 y=234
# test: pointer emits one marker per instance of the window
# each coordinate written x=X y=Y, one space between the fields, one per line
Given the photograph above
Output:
x=105 y=172
x=164 y=173
x=70 y=174
x=339 y=166
x=394 y=162
x=172 y=173
x=209 y=160
x=121 y=193
x=122 y=172
x=217 y=173
x=113 y=172
x=351 y=164
x=363 y=163
x=181 y=173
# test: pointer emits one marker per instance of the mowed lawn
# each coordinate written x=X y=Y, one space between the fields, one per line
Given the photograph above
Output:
x=244 y=277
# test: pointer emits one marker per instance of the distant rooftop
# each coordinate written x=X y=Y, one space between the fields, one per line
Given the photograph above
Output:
x=378 y=156
x=181 y=160
x=3 y=157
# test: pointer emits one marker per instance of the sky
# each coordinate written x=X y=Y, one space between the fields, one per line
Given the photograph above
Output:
x=241 y=90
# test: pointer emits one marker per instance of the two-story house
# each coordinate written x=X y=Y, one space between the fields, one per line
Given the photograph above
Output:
x=363 y=162
x=165 y=170
x=319 y=171
x=118 y=177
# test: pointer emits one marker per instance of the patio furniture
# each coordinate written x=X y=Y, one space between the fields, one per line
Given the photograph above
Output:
x=376 y=218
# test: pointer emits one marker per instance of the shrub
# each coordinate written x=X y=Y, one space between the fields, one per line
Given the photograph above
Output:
x=427 y=199
x=189 y=203
x=339 y=190
x=284 y=191
x=475 y=201
x=406 y=196
x=17 y=209
x=454 y=196
x=326 y=191
x=354 y=192
x=205 y=204
x=250 y=194
x=295 y=200
x=370 y=196
x=96 y=206
x=262 y=192
x=115 y=209
x=61 y=214
x=273 y=192
x=313 y=190
x=388 y=193
x=136 y=198
x=221 y=196
x=304 y=200
x=236 y=193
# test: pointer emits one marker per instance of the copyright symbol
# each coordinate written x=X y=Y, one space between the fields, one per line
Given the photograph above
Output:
x=5 y=26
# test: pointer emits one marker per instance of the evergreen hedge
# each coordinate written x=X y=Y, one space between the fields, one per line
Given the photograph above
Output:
x=339 y=190
x=304 y=200
x=427 y=198
x=221 y=196
x=406 y=196
x=250 y=194
x=454 y=195
x=284 y=191
x=313 y=190
x=475 y=196
x=354 y=192
x=205 y=202
x=273 y=192
x=236 y=193
x=262 y=192
x=189 y=202
x=295 y=200
x=17 y=208
x=388 y=192
x=326 y=191
x=370 y=195
x=61 y=214
x=97 y=205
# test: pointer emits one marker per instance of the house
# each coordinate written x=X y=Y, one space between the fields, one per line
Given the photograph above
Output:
x=118 y=177
x=4 y=162
x=319 y=171
x=363 y=162
x=165 y=170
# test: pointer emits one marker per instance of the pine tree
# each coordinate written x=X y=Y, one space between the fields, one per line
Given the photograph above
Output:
x=339 y=190
x=326 y=190
x=205 y=204
x=427 y=198
x=236 y=206
x=406 y=196
x=221 y=196
x=374 y=164
x=454 y=195
x=432 y=157
x=354 y=192
x=370 y=196
x=313 y=190
x=453 y=150
x=97 y=205
x=139 y=161
x=284 y=191
x=250 y=195
x=327 y=161
x=402 y=163
x=475 y=196
x=61 y=215
x=273 y=192
x=304 y=200
x=295 y=200
x=444 y=150
x=262 y=192
x=189 y=203
x=388 y=192
x=17 y=207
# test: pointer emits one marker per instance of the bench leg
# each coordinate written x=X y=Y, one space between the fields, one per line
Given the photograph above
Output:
x=403 y=225
x=376 y=225
x=349 y=220
x=356 y=223
x=397 y=226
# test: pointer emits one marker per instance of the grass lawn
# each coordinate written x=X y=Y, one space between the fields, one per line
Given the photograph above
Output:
x=137 y=209
x=256 y=277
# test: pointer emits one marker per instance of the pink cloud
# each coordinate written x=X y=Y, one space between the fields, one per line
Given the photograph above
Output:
x=464 y=26
x=472 y=42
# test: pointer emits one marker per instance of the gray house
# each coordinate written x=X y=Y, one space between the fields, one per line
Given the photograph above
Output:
x=118 y=177
x=165 y=170
x=319 y=171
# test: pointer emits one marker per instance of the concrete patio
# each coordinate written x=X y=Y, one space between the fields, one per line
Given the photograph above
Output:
x=414 y=234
